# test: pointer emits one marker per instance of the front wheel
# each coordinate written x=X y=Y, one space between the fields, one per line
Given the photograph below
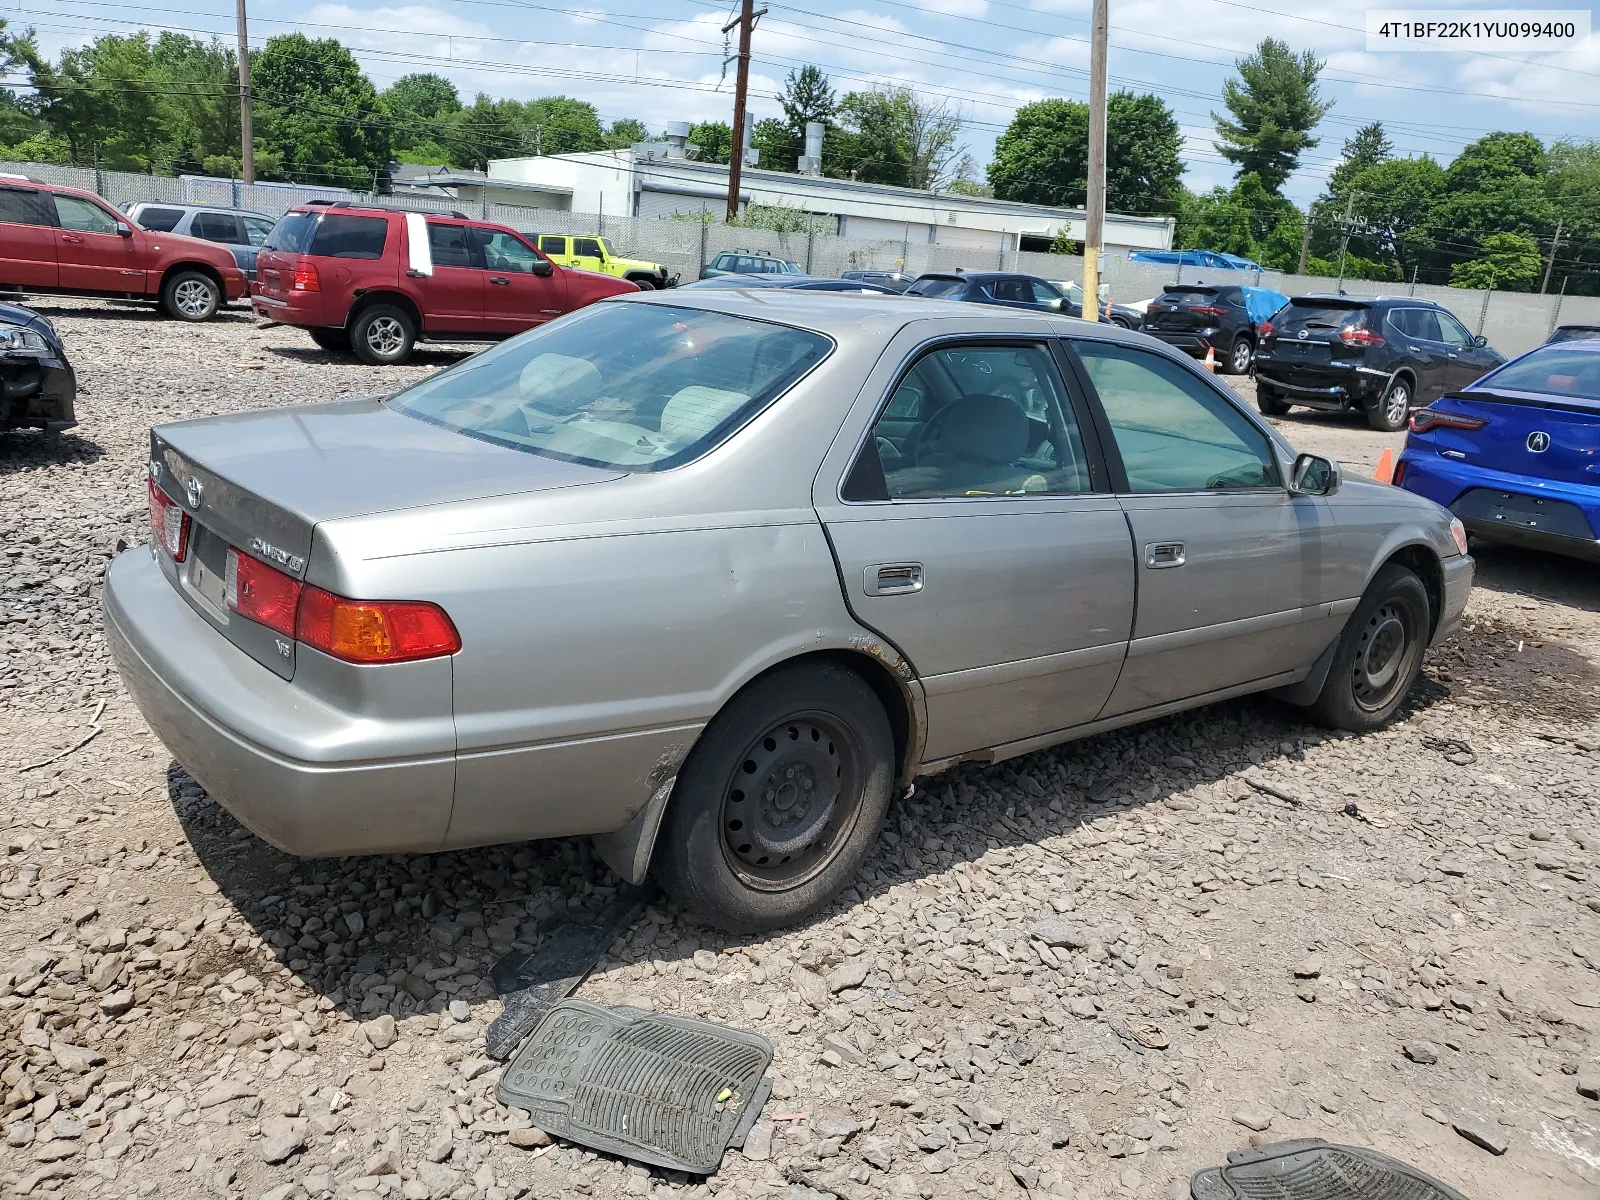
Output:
x=1240 y=355
x=383 y=335
x=1379 y=655
x=1390 y=413
x=780 y=802
x=645 y=285
x=191 y=296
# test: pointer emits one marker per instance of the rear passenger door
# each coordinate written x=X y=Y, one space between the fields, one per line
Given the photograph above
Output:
x=455 y=294
x=1235 y=571
x=1419 y=339
x=27 y=239
x=516 y=297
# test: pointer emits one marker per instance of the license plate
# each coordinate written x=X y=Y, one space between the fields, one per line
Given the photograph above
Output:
x=211 y=586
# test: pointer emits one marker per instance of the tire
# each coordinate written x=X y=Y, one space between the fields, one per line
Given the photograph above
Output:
x=812 y=723
x=644 y=285
x=1379 y=655
x=383 y=335
x=1240 y=355
x=190 y=296
x=1269 y=404
x=1391 y=413
x=333 y=340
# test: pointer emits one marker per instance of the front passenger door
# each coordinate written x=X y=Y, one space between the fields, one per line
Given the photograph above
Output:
x=91 y=256
x=1234 y=570
x=517 y=296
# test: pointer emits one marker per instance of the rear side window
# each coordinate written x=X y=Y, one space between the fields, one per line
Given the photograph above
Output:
x=218 y=227
x=553 y=245
x=936 y=287
x=22 y=208
x=293 y=233
x=450 y=246
x=160 y=220
x=339 y=236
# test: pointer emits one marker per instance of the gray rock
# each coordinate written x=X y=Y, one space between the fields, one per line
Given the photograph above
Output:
x=811 y=986
x=1253 y=1116
x=282 y=1146
x=1481 y=1132
x=381 y=1032
x=758 y=1144
x=1425 y=1053
x=1057 y=931
x=848 y=974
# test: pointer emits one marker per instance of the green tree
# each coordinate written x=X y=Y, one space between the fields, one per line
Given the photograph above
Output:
x=562 y=125
x=776 y=143
x=484 y=130
x=807 y=96
x=1397 y=203
x=423 y=108
x=1043 y=155
x=1510 y=262
x=626 y=132
x=1368 y=147
x=714 y=138
x=871 y=142
x=316 y=109
x=1274 y=105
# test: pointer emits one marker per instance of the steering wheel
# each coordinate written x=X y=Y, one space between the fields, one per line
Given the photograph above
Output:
x=929 y=433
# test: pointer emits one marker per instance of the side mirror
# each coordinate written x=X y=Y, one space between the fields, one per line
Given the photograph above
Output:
x=1313 y=475
x=1479 y=342
x=542 y=266
x=124 y=229
x=1060 y=305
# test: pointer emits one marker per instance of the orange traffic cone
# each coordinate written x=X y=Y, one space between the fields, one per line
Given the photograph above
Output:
x=1385 y=471
x=1211 y=359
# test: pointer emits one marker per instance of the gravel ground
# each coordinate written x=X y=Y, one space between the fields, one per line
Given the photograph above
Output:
x=1086 y=973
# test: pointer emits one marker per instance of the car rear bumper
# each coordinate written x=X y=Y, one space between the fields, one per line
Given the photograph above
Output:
x=1190 y=343
x=323 y=789
x=40 y=393
x=1503 y=506
x=1326 y=386
x=305 y=308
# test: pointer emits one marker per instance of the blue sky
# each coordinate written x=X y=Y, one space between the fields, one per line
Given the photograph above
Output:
x=660 y=60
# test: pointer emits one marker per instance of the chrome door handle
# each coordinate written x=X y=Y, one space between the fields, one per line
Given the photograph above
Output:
x=1414 y=349
x=1164 y=554
x=500 y=280
x=893 y=579
x=1455 y=356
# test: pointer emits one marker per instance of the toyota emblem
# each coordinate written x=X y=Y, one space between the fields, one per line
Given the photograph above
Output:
x=194 y=491
x=1538 y=442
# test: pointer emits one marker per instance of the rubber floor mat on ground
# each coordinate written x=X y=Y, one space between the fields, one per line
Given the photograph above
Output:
x=1312 y=1169
x=528 y=984
x=659 y=1089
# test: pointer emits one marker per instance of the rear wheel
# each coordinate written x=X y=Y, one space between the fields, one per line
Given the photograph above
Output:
x=780 y=802
x=383 y=335
x=191 y=296
x=1379 y=655
x=1269 y=402
x=335 y=340
x=1390 y=413
x=1240 y=356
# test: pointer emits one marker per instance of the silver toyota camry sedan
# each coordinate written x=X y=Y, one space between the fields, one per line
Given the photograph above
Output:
x=712 y=576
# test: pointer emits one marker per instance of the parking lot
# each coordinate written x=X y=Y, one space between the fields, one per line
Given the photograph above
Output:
x=1086 y=972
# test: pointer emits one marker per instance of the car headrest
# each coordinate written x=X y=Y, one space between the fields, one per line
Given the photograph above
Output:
x=696 y=411
x=560 y=377
x=989 y=429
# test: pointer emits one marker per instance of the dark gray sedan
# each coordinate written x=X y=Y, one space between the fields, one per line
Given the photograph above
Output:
x=714 y=575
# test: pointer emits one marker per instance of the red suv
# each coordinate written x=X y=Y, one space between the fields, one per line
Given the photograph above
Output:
x=376 y=281
x=62 y=241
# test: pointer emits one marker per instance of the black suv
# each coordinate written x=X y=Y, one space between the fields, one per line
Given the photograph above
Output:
x=1197 y=318
x=1383 y=355
x=993 y=287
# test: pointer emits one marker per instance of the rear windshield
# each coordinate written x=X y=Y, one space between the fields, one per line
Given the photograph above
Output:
x=1188 y=293
x=339 y=236
x=936 y=287
x=292 y=233
x=1317 y=314
x=1553 y=370
x=635 y=387
x=1576 y=333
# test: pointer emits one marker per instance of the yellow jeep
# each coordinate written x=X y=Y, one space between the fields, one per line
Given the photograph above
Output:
x=591 y=252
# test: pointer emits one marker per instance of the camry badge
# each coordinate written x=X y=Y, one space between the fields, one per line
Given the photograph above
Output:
x=1538 y=441
x=194 y=491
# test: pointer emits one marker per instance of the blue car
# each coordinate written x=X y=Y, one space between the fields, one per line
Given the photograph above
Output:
x=1516 y=454
x=1214 y=260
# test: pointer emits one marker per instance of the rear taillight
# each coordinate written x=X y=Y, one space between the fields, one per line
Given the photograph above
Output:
x=262 y=593
x=358 y=631
x=305 y=278
x=1209 y=310
x=1264 y=329
x=374 y=631
x=1425 y=419
x=1359 y=337
x=168 y=522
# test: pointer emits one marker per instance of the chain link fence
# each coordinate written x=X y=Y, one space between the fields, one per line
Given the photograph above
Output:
x=1512 y=321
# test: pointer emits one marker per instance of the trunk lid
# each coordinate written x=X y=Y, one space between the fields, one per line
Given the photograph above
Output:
x=1306 y=334
x=1179 y=310
x=261 y=482
x=1517 y=422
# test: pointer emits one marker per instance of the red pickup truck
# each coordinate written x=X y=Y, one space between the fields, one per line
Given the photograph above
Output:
x=376 y=281
x=56 y=240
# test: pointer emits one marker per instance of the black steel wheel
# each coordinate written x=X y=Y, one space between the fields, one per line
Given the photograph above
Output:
x=1379 y=654
x=780 y=801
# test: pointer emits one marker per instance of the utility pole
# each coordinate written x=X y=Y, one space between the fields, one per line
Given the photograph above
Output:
x=1305 y=239
x=741 y=86
x=247 y=148
x=1344 y=233
x=1094 y=223
x=1551 y=264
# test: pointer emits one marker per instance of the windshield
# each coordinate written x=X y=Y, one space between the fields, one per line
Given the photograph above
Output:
x=1554 y=370
x=636 y=387
x=936 y=287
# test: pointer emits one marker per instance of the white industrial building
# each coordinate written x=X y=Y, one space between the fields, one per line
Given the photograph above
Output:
x=658 y=179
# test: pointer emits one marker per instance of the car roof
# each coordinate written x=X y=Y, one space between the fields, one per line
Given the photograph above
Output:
x=200 y=208
x=843 y=315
